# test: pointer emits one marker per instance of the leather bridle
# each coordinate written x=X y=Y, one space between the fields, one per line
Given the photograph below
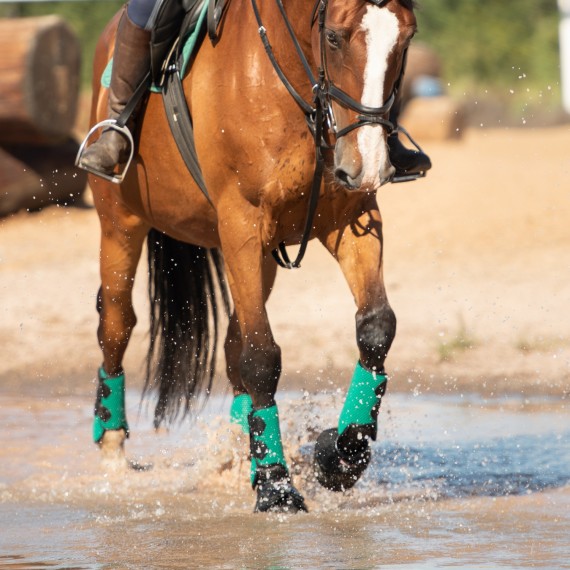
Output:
x=366 y=115
x=319 y=112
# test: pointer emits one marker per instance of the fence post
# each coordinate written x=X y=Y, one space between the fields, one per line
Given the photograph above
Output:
x=564 y=34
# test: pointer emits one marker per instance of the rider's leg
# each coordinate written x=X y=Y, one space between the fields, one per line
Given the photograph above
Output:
x=406 y=161
x=131 y=62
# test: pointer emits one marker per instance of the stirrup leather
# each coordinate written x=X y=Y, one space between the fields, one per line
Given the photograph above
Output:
x=412 y=176
x=123 y=130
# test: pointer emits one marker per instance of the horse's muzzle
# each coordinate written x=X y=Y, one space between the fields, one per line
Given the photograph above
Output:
x=353 y=179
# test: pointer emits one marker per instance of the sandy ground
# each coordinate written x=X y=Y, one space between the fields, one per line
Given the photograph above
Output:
x=477 y=264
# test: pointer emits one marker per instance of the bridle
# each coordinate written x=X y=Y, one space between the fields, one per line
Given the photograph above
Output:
x=366 y=115
x=319 y=113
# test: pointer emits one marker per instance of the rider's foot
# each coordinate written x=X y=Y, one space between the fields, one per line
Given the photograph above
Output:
x=407 y=162
x=105 y=153
x=131 y=62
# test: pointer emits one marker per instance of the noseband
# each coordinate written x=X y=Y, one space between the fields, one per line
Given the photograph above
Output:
x=319 y=113
x=323 y=87
x=366 y=115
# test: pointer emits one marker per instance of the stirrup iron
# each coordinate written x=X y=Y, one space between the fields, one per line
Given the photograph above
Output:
x=412 y=176
x=123 y=130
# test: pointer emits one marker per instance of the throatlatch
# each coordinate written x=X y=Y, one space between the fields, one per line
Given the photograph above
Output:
x=109 y=405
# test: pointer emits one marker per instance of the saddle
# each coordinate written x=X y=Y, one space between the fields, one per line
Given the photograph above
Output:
x=179 y=31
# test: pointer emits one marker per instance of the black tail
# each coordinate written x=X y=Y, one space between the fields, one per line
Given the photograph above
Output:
x=184 y=311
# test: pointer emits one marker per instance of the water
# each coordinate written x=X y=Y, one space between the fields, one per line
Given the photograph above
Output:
x=454 y=482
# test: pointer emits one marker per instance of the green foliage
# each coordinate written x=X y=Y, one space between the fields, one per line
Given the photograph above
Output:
x=460 y=341
x=492 y=42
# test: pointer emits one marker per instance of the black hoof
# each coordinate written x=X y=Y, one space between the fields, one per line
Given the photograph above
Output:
x=275 y=492
x=332 y=471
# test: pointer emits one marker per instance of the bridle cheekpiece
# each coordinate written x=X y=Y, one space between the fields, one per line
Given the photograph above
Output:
x=319 y=113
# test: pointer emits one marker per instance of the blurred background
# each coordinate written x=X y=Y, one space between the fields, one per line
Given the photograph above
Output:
x=501 y=59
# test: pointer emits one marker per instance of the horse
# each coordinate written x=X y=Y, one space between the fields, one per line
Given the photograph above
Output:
x=290 y=115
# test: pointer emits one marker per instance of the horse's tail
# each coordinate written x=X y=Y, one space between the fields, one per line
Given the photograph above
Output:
x=186 y=285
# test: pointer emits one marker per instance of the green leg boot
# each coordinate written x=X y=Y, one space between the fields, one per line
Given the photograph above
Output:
x=109 y=406
x=240 y=410
x=342 y=454
x=269 y=473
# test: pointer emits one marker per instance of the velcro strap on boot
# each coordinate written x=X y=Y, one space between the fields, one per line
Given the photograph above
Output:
x=363 y=400
x=265 y=440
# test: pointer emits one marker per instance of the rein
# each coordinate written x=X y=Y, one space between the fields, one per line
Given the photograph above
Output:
x=319 y=112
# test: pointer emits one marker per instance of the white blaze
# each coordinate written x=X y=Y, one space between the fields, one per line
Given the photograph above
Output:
x=382 y=30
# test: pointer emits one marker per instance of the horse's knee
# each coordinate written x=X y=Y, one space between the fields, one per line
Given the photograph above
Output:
x=260 y=369
x=375 y=331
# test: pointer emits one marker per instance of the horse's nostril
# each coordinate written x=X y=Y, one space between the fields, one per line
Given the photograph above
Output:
x=345 y=179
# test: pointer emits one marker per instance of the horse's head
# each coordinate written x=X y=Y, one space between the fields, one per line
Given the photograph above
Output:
x=361 y=47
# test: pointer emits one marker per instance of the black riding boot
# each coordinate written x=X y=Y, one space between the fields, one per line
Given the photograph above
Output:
x=131 y=62
x=409 y=164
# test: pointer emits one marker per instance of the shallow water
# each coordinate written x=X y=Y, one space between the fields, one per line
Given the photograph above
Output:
x=454 y=482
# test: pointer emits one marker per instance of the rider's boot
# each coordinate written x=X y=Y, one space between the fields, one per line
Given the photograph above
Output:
x=409 y=164
x=131 y=62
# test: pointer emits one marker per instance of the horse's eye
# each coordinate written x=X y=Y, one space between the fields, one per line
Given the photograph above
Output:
x=333 y=39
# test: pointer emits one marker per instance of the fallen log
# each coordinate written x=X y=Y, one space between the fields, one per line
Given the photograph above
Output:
x=34 y=177
x=39 y=80
x=18 y=184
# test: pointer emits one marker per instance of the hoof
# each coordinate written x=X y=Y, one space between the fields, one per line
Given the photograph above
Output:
x=275 y=492
x=112 y=447
x=332 y=471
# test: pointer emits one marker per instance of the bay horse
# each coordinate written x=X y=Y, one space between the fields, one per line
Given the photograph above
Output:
x=315 y=88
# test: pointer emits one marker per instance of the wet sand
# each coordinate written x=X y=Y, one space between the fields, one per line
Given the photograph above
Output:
x=437 y=494
x=472 y=467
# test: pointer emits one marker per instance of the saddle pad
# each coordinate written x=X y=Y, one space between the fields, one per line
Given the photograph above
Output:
x=190 y=44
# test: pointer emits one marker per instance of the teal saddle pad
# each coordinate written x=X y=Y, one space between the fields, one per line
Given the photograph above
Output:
x=190 y=44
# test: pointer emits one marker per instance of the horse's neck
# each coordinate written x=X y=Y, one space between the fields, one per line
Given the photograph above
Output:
x=299 y=13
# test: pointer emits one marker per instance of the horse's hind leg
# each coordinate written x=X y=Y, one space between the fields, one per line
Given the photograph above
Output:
x=256 y=367
x=343 y=453
x=122 y=237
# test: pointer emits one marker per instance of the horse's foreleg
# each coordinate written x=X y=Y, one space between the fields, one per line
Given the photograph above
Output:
x=121 y=244
x=242 y=403
x=343 y=453
x=256 y=368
